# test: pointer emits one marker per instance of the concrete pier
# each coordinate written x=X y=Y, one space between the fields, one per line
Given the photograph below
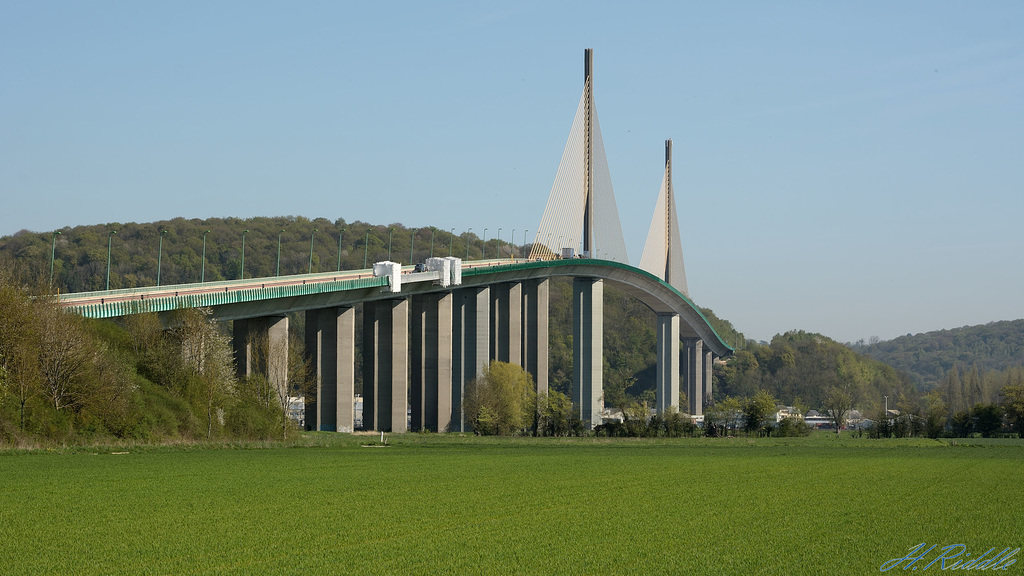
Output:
x=587 y=349
x=507 y=323
x=470 y=344
x=431 y=361
x=709 y=365
x=261 y=348
x=386 y=365
x=330 y=349
x=535 y=332
x=667 y=386
x=693 y=368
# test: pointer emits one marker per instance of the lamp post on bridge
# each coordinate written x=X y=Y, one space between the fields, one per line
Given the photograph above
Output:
x=431 y=241
x=202 y=274
x=451 y=241
x=483 y=254
x=109 y=240
x=53 y=252
x=243 y=254
x=279 y=251
x=311 y=237
x=391 y=231
x=412 y=245
x=499 y=243
x=525 y=234
x=512 y=245
x=468 y=232
x=160 y=256
x=340 y=236
x=366 y=246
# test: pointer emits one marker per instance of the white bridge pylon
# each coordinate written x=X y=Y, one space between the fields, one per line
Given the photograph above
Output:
x=663 y=251
x=581 y=213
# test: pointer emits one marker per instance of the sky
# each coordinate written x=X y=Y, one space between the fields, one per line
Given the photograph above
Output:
x=849 y=168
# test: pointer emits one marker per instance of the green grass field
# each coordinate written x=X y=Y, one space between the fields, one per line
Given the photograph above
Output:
x=431 y=504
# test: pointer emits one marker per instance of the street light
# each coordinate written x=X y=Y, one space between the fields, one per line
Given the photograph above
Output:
x=311 y=237
x=279 y=251
x=109 y=239
x=340 y=236
x=202 y=275
x=525 y=234
x=243 y=254
x=366 y=246
x=53 y=252
x=391 y=231
x=512 y=245
x=451 y=241
x=431 y=241
x=483 y=255
x=470 y=231
x=499 y=243
x=160 y=256
x=412 y=246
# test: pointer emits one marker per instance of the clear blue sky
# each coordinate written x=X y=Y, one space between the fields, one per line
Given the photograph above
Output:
x=854 y=169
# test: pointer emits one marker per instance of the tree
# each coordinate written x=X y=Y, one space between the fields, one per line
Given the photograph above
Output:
x=502 y=400
x=759 y=411
x=988 y=419
x=206 y=357
x=962 y=423
x=934 y=414
x=722 y=416
x=838 y=403
x=63 y=352
x=1013 y=405
x=556 y=416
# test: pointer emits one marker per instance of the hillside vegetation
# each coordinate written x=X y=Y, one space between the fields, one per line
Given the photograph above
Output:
x=930 y=356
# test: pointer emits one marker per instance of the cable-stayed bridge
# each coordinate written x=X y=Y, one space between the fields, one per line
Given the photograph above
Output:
x=428 y=331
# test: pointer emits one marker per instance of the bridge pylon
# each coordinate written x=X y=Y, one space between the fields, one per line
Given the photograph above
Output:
x=581 y=213
x=663 y=251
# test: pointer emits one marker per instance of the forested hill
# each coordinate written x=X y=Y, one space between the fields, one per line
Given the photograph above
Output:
x=80 y=253
x=929 y=356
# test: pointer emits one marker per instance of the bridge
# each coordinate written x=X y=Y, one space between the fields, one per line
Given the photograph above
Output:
x=429 y=330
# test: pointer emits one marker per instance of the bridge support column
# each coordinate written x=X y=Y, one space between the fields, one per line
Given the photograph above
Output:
x=694 y=370
x=431 y=393
x=535 y=332
x=261 y=347
x=667 y=390
x=470 y=344
x=330 y=347
x=507 y=323
x=385 y=365
x=587 y=349
x=709 y=365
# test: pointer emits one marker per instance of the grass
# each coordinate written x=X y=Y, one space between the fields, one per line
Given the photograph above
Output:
x=444 y=504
